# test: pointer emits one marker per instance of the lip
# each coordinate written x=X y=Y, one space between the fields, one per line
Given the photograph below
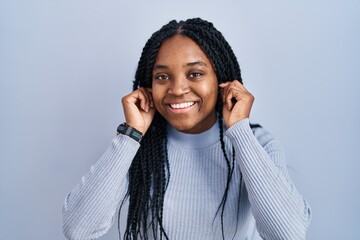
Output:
x=181 y=107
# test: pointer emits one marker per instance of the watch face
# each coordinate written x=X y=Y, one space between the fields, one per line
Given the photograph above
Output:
x=121 y=128
x=136 y=134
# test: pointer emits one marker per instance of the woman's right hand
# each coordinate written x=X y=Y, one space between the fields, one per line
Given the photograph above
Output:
x=139 y=109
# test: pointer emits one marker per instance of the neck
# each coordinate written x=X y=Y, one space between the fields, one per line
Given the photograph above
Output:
x=194 y=141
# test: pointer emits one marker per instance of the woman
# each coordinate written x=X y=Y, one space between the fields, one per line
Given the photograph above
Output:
x=186 y=157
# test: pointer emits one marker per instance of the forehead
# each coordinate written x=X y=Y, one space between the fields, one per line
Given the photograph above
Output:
x=182 y=49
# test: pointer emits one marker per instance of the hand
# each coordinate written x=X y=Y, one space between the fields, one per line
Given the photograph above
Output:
x=237 y=102
x=139 y=109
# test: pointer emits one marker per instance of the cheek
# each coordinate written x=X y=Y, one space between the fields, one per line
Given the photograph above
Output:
x=157 y=95
x=211 y=93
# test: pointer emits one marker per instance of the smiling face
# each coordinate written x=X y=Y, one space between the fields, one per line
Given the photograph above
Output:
x=184 y=85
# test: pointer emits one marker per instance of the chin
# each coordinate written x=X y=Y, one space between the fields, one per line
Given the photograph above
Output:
x=187 y=128
x=182 y=127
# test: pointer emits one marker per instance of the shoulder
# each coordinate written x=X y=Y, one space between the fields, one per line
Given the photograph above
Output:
x=262 y=134
x=246 y=131
x=267 y=139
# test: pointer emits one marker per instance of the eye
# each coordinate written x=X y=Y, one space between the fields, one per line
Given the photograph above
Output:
x=162 y=77
x=195 y=74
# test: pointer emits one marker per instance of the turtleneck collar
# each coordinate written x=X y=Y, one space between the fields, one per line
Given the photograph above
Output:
x=194 y=141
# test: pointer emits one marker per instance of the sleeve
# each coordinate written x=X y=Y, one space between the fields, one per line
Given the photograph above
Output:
x=89 y=209
x=279 y=209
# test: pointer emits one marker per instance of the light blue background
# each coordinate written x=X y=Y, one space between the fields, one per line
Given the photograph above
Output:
x=64 y=66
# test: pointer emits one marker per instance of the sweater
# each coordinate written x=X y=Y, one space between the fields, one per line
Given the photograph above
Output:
x=265 y=203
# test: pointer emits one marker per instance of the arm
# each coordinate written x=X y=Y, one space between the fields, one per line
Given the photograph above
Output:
x=89 y=210
x=279 y=210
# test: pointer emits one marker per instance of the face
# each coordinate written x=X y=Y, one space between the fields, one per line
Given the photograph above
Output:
x=184 y=85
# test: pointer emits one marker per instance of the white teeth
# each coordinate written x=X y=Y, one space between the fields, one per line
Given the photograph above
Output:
x=182 y=105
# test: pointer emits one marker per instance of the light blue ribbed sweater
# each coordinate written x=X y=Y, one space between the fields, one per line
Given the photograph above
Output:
x=197 y=183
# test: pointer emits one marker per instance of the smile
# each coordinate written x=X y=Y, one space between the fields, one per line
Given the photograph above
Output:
x=182 y=105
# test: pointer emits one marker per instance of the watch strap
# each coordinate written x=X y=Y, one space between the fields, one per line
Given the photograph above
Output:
x=127 y=130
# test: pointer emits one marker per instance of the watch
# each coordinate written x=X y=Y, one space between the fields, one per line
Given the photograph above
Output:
x=129 y=131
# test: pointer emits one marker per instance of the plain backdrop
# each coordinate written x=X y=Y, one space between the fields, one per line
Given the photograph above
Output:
x=64 y=66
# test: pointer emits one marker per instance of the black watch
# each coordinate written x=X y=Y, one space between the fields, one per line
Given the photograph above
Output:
x=129 y=131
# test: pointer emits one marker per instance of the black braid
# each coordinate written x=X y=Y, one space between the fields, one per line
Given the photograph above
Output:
x=149 y=172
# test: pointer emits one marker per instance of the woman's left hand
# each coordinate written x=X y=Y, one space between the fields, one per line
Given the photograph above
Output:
x=237 y=102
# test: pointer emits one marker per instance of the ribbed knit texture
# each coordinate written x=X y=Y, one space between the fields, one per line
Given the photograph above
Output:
x=197 y=183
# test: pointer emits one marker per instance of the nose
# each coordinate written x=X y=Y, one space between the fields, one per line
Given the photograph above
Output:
x=179 y=86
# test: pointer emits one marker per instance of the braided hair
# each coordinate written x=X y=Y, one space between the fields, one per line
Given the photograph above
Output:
x=150 y=172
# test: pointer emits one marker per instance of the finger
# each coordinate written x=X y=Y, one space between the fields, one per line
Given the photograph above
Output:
x=150 y=98
x=241 y=87
x=226 y=94
x=230 y=94
x=149 y=93
x=237 y=82
x=228 y=99
x=223 y=87
x=230 y=88
x=234 y=82
x=237 y=86
x=224 y=84
x=227 y=85
x=144 y=100
x=139 y=99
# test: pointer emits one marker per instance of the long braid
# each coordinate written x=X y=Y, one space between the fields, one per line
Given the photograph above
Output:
x=149 y=172
x=230 y=170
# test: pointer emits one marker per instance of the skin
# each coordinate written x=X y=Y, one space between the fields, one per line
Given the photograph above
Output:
x=184 y=91
x=184 y=86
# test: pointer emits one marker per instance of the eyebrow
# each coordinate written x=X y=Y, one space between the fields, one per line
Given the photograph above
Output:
x=158 y=66
x=196 y=63
x=191 y=64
